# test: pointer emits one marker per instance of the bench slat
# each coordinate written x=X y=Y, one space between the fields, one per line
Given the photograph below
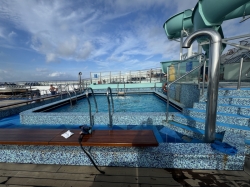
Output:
x=110 y=138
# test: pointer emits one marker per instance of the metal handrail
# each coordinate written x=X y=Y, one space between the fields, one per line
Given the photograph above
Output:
x=168 y=86
x=91 y=120
x=89 y=88
x=67 y=85
x=110 y=115
x=74 y=91
x=240 y=72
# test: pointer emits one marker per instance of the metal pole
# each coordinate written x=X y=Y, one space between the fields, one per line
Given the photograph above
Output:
x=240 y=72
x=199 y=52
x=160 y=75
x=120 y=77
x=80 y=80
x=110 y=77
x=167 y=98
x=181 y=41
x=213 y=81
x=150 y=75
x=140 y=76
x=203 y=77
x=90 y=78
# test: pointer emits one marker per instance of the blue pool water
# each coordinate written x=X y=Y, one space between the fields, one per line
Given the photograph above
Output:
x=128 y=103
x=162 y=134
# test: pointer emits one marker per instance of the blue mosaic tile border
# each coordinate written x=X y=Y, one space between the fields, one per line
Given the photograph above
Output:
x=166 y=155
x=220 y=108
x=186 y=94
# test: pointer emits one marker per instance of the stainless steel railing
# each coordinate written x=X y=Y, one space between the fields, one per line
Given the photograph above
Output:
x=213 y=76
x=74 y=91
x=67 y=90
x=91 y=117
x=93 y=94
x=109 y=93
x=240 y=72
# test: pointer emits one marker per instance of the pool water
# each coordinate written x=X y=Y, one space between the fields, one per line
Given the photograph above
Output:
x=128 y=103
x=162 y=134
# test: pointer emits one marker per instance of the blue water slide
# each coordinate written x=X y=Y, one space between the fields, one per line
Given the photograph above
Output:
x=206 y=14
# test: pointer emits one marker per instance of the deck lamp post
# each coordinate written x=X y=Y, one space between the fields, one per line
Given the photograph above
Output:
x=213 y=77
x=80 y=80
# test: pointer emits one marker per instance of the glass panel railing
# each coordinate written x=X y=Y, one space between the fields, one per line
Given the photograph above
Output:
x=174 y=87
x=180 y=68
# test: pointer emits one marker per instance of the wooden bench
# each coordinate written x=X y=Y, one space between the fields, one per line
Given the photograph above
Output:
x=121 y=138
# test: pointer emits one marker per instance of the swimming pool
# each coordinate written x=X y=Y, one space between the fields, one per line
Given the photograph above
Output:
x=39 y=115
x=127 y=103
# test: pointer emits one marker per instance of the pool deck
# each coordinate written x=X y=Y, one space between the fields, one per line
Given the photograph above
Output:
x=14 y=175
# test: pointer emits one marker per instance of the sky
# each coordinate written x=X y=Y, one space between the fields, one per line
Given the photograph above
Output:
x=54 y=40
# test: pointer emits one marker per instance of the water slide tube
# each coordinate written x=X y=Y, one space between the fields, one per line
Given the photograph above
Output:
x=206 y=14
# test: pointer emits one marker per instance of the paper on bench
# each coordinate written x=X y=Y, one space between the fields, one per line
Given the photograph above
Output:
x=67 y=134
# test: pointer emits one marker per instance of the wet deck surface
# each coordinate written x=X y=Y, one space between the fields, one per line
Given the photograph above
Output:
x=14 y=175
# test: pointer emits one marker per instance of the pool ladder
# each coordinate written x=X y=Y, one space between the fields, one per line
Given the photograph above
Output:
x=121 y=93
x=109 y=93
x=71 y=100
x=91 y=117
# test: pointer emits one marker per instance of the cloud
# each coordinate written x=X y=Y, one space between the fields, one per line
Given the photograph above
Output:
x=56 y=74
x=41 y=69
x=85 y=51
x=104 y=35
x=12 y=34
x=51 y=24
x=51 y=57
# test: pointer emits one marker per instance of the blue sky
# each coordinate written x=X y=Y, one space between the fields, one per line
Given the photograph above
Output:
x=54 y=40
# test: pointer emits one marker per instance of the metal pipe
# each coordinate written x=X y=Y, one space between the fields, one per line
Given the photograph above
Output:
x=89 y=88
x=110 y=115
x=181 y=41
x=213 y=77
x=199 y=51
x=240 y=72
x=90 y=114
x=203 y=77
x=110 y=77
x=150 y=75
x=80 y=80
